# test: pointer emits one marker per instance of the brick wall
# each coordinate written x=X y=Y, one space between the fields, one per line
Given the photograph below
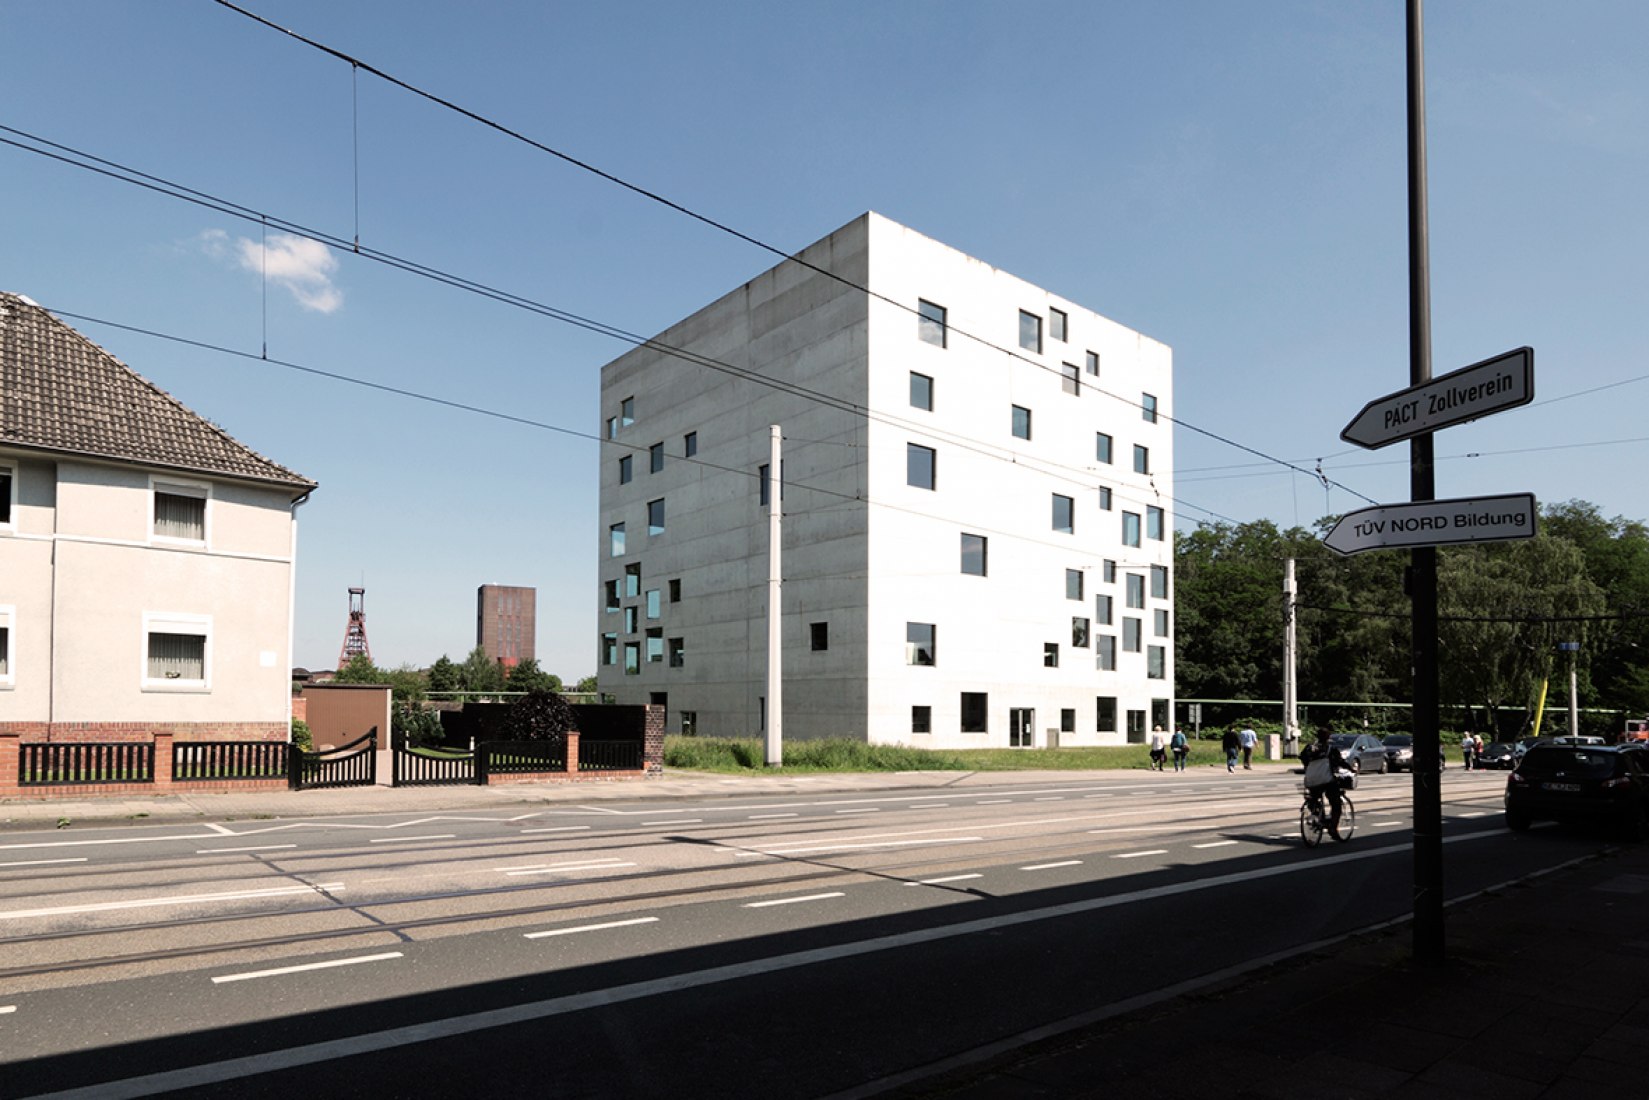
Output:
x=10 y=740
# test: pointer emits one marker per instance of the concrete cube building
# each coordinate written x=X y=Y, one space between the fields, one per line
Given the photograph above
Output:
x=976 y=494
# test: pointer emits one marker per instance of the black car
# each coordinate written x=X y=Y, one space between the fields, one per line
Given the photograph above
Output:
x=1580 y=783
x=1498 y=754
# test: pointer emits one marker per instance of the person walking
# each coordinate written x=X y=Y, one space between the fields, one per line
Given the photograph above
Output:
x=1477 y=751
x=1159 y=749
x=1248 y=738
x=1467 y=750
x=1181 y=748
x=1232 y=744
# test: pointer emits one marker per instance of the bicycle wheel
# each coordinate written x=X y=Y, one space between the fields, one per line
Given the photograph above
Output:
x=1311 y=825
x=1348 y=819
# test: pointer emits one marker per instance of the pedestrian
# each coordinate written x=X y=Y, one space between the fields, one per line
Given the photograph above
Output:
x=1182 y=749
x=1477 y=751
x=1467 y=750
x=1159 y=749
x=1249 y=739
x=1232 y=744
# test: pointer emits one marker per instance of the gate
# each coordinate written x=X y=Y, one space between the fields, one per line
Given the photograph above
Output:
x=348 y=766
x=432 y=767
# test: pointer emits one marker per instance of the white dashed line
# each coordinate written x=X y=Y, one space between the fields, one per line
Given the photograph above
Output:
x=1136 y=855
x=7 y=1008
x=38 y=862
x=1214 y=844
x=250 y=848
x=866 y=810
x=677 y=821
x=770 y=817
x=1049 y=866
x=558 y=829
x=590 y=928
x=995 y=802
x=1478 y=813
x=407 y=839
x=1049 y=798
x=793 y=901
x=569 y=868
x=1387 y=824
x=866 y=844
x=928 y=805
x=307 y=966
x=947 y=878
x=185 y=899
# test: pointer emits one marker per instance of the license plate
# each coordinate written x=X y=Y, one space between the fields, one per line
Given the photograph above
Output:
x=1561 y=786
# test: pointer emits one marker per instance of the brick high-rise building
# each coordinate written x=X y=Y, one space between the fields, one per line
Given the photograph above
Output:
x=506 y=623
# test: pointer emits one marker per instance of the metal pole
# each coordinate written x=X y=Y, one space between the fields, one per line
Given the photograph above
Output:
x=1291 y=691
x=1428 y=801
x=1574 y=697
x=775 y=671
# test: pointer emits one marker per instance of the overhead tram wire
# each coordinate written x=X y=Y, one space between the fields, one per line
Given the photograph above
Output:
x=723 y=227
x=66 y=155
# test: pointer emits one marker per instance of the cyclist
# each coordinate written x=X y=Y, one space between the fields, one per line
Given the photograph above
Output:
x=1316 y=784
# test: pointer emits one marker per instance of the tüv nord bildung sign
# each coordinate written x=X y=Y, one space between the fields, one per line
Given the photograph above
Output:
x=1434 y=523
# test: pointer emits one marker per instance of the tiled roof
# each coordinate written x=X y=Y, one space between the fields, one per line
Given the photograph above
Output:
x=60 y=392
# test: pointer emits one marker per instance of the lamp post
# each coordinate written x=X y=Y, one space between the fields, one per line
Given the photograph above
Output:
x=1572 y=648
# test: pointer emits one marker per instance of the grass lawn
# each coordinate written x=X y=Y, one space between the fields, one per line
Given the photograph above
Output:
x=746 y=754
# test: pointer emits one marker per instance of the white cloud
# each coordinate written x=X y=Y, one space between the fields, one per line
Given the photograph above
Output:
x=304 y=267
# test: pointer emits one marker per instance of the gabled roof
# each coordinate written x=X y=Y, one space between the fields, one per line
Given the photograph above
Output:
x=61 y=393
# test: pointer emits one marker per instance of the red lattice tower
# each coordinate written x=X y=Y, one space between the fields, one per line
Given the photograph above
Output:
x=355 y=643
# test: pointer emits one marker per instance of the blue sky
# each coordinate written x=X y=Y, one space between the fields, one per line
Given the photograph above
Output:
x=1226 y=178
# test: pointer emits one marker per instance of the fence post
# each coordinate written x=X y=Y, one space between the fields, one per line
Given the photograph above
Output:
x=481 y=752
x=294 y=766
x=572 y=752
x=8 y=760
x=162 y=777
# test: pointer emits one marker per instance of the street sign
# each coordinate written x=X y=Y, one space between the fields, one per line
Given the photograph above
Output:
x=1434 y=523
x=1504 y=382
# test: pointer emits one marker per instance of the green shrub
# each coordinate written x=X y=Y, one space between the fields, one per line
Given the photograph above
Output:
x=300 y=735
x=414 y=725
x=540 y=715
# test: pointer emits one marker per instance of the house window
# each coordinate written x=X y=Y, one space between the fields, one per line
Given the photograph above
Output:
x=1142 y=459
x=632 y=579
x=689 y=723
x=609 y=649
x=1030 y=331
x=1105 y=714
x=690 y=444
x=1057 y=322
x=632 y=619
x=921 y=719
x=612 y=595
x=1102 y=610
x=1072 y=381
x=654 y=610
x=1104 y=498
x=1064 y=514
x=632 y=658
x=180 y=512
x=1079 y=632
x=1153 y=522
x=8 y=483
x=176 y=651
x=1148 y=408
x=1159 y=582
x=920 y=463
x=675 y=590
x=612 y=427
x=615 y=540
x=1021 y=422
x=8 y=670
x=1161 y=713
x=1067 y=720
x=974 y=551
x=1136 y=726
x=1102 y=448
x=1156 y=662
x=1108 y=571
x=655 y=458
x=1093 y=363
x=626 y=412
x=1130 y=528
x=624 y=470
x=1073 y=584
x=655 y=645
x=1130 y=634
x=1105 y=652
x=655 y=517
x=678 y=653
x=975 y=712
x=921 y=391
x=1159 y=622
x=930 y=323
x=919 y=643
x=1136 y=590
x=819 y=636
x=1050 y=654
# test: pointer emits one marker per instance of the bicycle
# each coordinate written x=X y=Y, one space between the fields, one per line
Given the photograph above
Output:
x=1315 y=813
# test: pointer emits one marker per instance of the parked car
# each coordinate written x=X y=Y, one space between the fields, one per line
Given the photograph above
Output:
x=1524 y=744
x=1498 y=754
x=1400 y=753
x=1580 y=783
x=1361 y=750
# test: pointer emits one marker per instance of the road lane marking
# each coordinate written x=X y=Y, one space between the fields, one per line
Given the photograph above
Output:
x=1214 y=844
x=569 y=868
x=793 y=901
x=1049 y=866
x=1478 y=813
x=219 y=829
x=250 y=974
x=185 y=899
x=1049 y=798
x=1136 y=855
x=994 y=802
x=331 y=1050
x=866 y=810
x=769 y=817
x=863 y=844
x=947 y=878
x=557 y=829
x=38 y=862
x=248 y=848
x=928 y=805
x=1385 y=824
x=107 y=840
x=677 y=821
x=590 y=928
x=7 y=1008
x=410 y=839
x=555 y=866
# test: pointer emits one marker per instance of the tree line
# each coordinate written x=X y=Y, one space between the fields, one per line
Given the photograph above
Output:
x=1503 y=609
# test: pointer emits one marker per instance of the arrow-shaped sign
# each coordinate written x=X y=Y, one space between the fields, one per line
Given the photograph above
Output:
x=1504 y=382
x=1434 y=523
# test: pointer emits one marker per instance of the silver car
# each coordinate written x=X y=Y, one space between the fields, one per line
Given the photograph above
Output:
x=1361 y=750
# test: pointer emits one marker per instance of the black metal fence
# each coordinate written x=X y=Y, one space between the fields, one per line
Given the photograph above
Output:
x=64 y=763
x=351 y=765
x=433 y=768
x=197 y=761
x=522 y=757
x=609 y=756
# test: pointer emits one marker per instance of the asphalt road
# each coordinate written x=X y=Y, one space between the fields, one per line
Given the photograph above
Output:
x=798 y=946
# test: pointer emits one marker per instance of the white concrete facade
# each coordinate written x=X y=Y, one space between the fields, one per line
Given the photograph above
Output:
x=866 y=553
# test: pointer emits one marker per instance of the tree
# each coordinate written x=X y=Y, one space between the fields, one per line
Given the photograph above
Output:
x=586 y=686
x=360 y=670
x=527 y=676
x=1616 y=553
x=443 y=676
x=540 y=716
x=479 y=673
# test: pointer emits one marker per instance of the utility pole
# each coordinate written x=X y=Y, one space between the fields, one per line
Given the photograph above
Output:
x=1291 y=696
x=775 y=670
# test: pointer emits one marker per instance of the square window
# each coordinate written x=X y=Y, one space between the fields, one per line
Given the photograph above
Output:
x=1072 y=379
x=921 y=391
x=1159 y=582
x=1105 y=714
x=1108 y=571
x=1148 y=408
x=1102 y=610
x=609 y=649
x=1067 y=720
x=1057 y=323
x=180 y=512
x=975 y=712
x=1102 y=448
x=624 y=469
x=175 y=652
x=655 y=517
x=678 y=653
x=1064 y=514
x=655 y=607
x=612 y=595
x=1156 y=662
x=1136 y=590
x=819 y=636
x=675 y=590
x=920 y=463
x=655 y=645
x=1142 y=459
x=626 y=412
x=615 y=541
x=1159 y=622
x=1093 y=363
x=1104 y=498
x=632 y=658
x=921 y=719
x=1130 y=634
x=1105 y=652
x=930 y=323
x=1050 y=654
x=690 y=444
x=1030 y=331
x=919 y=643
x=1021 y=422
x=1079 y=632
x=655 y=458
x=974 y=551
x=1153 y=522
x=1130 y=528
x=1073 y=584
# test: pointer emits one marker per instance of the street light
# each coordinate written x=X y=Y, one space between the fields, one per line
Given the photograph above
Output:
x=1572 y=648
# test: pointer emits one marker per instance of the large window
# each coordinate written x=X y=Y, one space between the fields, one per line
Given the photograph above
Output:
x=655 y=458
x=1159 y=582
x=975 y=550
x=1030 y=331
x=655 y=645
x=1064 y=514
x=1105 y=652
x=1136 y=726
x=176 y=651
x=655 y=601
x=1130 y=634
x=1159 y=622
x=920 y=466
x=632 y=579
x=1153 y=522
x=1142 y=459
x=612 y=595
x=632 y=658
x=615 y=540
x=976 y=707
x=1058 y=325
x=1156 y=662
x=1102 y=448
x=931 y=327
x=655 y=517
x=921 y=391
x=1073 y=584
x=1021 y=422
x=625 y=468
x=678 y=652
x=1072 y=380
x=920 y=643
x=1079 y=632
x=632 y=619
x=1108 y=571
x=626 y=412
x=690 y=444
x=1136 y=589
x=1130 y=528
x=1104 y=498
x=1067 y=720
x=818 y=636
x=180 y=511
x=1102 y=610
x=609 y=649
x=1148 y=408
x=1105 y=714
x=921 y=719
